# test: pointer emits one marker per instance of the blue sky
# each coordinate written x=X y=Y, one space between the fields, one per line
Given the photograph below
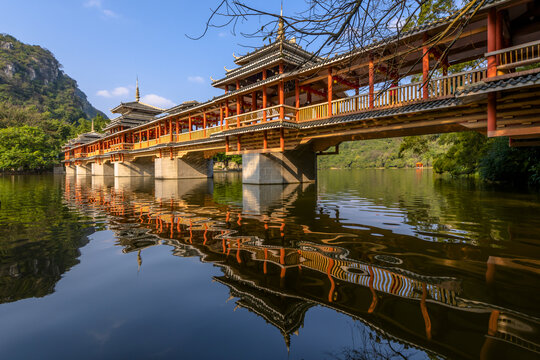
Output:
x=105 y=44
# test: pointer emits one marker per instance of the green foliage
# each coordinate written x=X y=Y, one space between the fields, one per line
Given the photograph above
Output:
x=384 y=153
x=40 y=107
x=30 y=76
x=26 y=148
x=221 y=157
x=513 y=165
x=464 y=154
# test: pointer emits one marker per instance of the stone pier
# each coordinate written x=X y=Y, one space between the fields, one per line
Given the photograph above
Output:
x=71 y=170
x=137 y=167
x=83 y=170
x=295 y=166
x=189 y=166
x=103 y=169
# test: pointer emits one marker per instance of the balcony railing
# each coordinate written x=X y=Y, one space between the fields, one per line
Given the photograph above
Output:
x=392 y=97
x=516 y=56
x=271 y=113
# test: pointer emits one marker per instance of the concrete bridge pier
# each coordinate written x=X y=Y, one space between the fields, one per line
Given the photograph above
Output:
x=103 y=169
x=143 y=166
x=190 y=166
x=292 y=166
x=71 y=170
x=83 y=170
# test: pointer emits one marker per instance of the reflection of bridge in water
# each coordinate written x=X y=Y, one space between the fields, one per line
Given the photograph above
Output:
x=279 y=270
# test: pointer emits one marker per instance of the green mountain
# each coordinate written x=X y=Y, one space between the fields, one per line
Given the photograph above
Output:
x=31 y=77
x=379 y=153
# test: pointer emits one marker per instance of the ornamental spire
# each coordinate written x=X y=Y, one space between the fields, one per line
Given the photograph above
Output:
x=281 y=30
x=137 y=94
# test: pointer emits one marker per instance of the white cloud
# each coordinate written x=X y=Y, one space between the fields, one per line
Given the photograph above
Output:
x=98 y=4
x=93 y=3
x=110 y=13
x=116 y=92
x=196 y=79
x=156 y=100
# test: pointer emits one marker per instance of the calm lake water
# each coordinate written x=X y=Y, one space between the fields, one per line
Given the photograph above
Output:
x=368 y=264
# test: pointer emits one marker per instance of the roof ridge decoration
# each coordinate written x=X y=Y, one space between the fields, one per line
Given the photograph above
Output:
x=137 y=94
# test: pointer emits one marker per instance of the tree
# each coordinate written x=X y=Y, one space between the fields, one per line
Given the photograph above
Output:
x=26 y=148
x=464 y=154
x=335 y=27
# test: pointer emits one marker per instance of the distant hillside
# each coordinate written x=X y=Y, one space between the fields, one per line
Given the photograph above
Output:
x=30 y=76
x=380 y=153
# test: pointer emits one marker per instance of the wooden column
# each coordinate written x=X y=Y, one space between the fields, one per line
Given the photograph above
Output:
x=158 y=130
x=264 y=95
x=265 y=139
x=356 y=93
x=177 y=128
x=282 y=139
x=238 y=110
x=329 y=91
x=170 y=130
x=220 y=116
x=190 y=126
x=491 y=70
x=281 y=90
x=238 y=145
x=147 y=137
x=226 y=144
x=297 y=97
x=253 y=101
x=425 y=69
x=204 y=124
x=492 y=42
x=226 y=114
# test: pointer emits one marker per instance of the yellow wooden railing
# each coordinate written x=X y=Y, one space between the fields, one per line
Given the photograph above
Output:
x=448 y=85
x=313 y=112
x=271 y=113
x=516 y=56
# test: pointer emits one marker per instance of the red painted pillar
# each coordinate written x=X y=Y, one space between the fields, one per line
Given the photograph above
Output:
x=170 y=130
x=226 y=114
x=190 y=126
x=253 y=101
x=282 y=139
x=220 y=116
x=329 y=92
x=281 y=95
x=226 y=144
x=492 y=42
x=297 y=96
x=204 y=124
x=265 y=139
x=264 y=95
x=238 y=110
x=425 y=70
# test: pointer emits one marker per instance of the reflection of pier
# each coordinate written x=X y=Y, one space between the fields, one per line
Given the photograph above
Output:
x=280 y=280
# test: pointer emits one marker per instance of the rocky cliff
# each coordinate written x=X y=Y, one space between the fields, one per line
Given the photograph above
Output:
x=31 y=76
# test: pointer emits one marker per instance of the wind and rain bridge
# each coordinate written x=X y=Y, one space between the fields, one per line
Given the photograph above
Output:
x=282 y=105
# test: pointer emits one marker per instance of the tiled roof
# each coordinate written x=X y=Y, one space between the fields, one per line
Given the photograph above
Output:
x=265 y=62
x=262 y=126
x=137 y=105
x=286 y=45
x=501 y=84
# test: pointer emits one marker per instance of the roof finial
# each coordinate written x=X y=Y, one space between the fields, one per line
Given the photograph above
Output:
x=137 y=94
x=281 y=30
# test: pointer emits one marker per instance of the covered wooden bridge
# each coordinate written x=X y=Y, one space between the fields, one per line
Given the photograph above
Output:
x=282 y=105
